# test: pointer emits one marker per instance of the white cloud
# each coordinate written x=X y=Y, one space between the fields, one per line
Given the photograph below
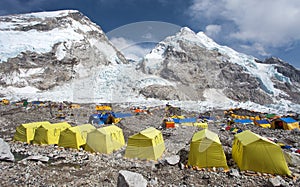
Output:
x=212 y=30
x=271 y=23
x=148 y=36
x=131 y=50
x=257 y=48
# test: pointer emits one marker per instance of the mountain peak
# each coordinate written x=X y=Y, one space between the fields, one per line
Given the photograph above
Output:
x=186 y=30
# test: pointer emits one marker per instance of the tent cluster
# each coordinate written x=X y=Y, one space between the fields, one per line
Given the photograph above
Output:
x=107 y=118
x=250 y=151
x=262 y=120
x=147 y=144
x=172 y=121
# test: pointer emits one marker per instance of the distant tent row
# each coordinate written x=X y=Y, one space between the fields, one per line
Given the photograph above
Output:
x=279 y=123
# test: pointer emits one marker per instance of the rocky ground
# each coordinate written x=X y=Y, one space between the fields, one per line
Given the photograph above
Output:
x=56 y=166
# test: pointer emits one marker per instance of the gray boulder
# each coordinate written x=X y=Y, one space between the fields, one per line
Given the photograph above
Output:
x=131 y=179
x=5 y=153
x=173 y=160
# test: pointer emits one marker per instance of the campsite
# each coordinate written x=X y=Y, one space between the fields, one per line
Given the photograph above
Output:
x=70 y=151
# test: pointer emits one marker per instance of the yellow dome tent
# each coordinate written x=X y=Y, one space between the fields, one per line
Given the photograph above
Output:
x=147 y=144
x=253 y=152
x=105 y=139
x=206 y=151
x=49 y=133
x=25 y=132
x=75 y=137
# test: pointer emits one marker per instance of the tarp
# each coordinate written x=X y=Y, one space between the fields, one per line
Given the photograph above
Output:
x=285 y=123
x=75 y=137
x=25 y=132
x=206 y=151
x=253 y=152
x=185 y=120
x=262 y=123
x=243 y=121
x=105 y=139
x=147 y=144
x=49 y=133
x=121 y=115
x=270 y=116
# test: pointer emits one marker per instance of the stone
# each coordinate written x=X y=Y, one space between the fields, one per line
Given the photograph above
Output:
x=276 y=181
x=173 y=160
x=293 y=159
x=154 y=181
x=234 y=172
x=5 y=153
x=37 y=158
x=131 y=179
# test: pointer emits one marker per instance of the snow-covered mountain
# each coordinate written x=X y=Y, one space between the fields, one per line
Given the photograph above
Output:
x=62 y=55
x=204 y=70
x=39 y=51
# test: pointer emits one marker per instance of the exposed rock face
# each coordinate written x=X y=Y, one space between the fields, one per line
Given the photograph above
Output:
x=74 y=47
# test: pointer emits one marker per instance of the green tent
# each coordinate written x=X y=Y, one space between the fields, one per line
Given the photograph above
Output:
x=147 y=144
x=26 y=132
x=49 y=133
x=105 y=139
x=253 y=152
x=75 y=137
x=206 y=151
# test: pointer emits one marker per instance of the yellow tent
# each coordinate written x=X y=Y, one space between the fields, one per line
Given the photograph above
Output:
x=103 y=107
x=206 y=150
x=75 y=137
x=49 y=133
x=25 y=132
x=105 y=139
x=285 y=123
x=202 y=125
x=253 y=152
x=147 y=144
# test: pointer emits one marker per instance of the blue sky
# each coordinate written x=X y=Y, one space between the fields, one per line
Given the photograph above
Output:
x=259 y=28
